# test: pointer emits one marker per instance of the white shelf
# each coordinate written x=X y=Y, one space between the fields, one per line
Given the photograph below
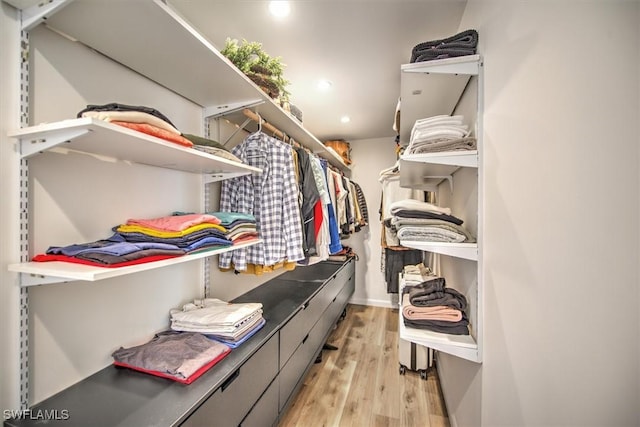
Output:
x=427 y=171
x=105 y=139
x=40 y=273
x=463 y=346
x=469 y=65
x=458 y=250
x=163 y=46
x=454 y=158
x=439 y=94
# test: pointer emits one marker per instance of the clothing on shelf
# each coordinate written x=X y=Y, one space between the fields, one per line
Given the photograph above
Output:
x=461 y=44
x=210 y=146
x=182 y=357
x=116 y=107
x=433 y=306
x=439 y=134
x=155 y=131
x=151 y=239
x=395 y=260
x=217 y=318
x=426 y=222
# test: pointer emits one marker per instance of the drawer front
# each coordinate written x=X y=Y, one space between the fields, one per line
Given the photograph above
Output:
x=228 y=405
x=265 y=412
x=298 y=326
x=294 y=369
x=336 y=284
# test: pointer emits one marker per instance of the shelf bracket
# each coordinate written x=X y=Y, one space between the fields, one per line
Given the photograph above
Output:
x=29 y=279
x=222 y=110
x=238 y=129
x=216 y=177
x=34 y=15
x=33 y=146
x=449 y=178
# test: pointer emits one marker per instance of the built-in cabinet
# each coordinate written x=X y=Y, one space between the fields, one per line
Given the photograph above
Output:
x=252 y=386
x=154 y=41
x=448 y=86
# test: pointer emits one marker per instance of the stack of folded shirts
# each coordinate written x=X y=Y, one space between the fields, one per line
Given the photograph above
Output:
x=182 y=357
x=190 y=232
x=110 y=253
x=426 y=222
x=140 y=118
x=439 y=134
x=431 y=305
x=229 y=323
x=240 y=227
x=416 y=274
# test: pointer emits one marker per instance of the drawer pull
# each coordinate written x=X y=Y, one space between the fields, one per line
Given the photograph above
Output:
x=231 y=379
x=306 y=304
x=305 y=338
x=335 y=298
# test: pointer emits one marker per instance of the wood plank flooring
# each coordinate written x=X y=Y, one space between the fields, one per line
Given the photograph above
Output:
x=360 y=385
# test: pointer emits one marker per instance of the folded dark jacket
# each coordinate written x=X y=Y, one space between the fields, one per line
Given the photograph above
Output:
x=448 y=297
x=436 y=284
x=461 y=44
x=114 y=106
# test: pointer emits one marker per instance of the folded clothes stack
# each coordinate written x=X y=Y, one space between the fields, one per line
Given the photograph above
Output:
x=144 y=240
x=439 y=134
x=181 y=357
x=190 y=232
x=228 y=323
x=461 y=44
x=426 y=222
x=152 y=122
x=433 y=306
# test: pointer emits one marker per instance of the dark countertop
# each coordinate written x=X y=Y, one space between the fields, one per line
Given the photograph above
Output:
x=117 y=396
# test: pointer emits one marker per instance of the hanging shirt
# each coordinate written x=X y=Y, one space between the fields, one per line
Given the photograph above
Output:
x=271 y=196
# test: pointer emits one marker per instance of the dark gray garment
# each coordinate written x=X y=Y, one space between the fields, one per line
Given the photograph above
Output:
x=394 y=264
x=310 y=195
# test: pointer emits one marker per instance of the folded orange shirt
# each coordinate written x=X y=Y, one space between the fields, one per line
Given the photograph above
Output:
x=156 y=131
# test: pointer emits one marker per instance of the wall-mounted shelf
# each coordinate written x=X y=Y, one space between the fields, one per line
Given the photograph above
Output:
x=151 y=28
x=458 y=250
x=100 y=138
x=458 y=345
x=41 y=273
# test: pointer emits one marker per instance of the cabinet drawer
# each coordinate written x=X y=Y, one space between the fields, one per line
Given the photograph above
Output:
x=265 y=411
x=295 y=368
x=298 y=326
x=229 y=404
x=335 y=285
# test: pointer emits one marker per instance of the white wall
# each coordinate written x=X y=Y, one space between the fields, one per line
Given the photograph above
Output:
x=370 y=156
x=562 y=216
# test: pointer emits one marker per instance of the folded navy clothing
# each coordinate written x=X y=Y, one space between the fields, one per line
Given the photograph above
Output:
x=461 y=44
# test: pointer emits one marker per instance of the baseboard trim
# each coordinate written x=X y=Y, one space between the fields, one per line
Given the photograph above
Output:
x=372 y=302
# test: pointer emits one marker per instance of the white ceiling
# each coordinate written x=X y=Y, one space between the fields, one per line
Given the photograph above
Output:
x=357 y=44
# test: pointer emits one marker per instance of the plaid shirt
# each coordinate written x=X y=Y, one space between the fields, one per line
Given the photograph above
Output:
x=271 y=196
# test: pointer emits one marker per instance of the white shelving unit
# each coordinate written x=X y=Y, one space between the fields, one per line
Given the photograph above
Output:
x=149 y=26
x=427 y=89
x=150 y=38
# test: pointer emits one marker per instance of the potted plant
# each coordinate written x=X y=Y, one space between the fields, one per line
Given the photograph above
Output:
x=264 y=70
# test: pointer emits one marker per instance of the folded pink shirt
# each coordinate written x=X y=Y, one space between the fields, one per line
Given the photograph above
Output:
x=175 y=222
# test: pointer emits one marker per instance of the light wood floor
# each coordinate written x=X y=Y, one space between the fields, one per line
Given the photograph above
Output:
x=360 y=385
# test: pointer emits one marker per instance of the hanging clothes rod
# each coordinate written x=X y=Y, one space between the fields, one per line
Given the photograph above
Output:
x=265 y=125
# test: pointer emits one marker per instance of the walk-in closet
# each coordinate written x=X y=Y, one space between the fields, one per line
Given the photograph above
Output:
x=320 y=213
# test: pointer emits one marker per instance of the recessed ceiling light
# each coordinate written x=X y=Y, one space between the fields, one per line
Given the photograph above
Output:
x=279 y=9
x=324 y=85
x=345 y=119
